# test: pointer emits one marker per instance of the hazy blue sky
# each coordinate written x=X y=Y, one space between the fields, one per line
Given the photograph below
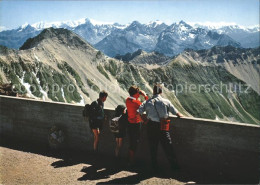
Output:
x=242 y=12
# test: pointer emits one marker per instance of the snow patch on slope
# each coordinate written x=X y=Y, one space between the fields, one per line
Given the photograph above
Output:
x=27 y=86
x=45 y=95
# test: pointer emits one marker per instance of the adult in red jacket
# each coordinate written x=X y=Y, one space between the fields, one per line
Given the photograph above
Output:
x=134 y=119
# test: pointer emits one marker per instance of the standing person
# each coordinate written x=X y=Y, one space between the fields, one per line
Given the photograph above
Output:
x=157 y=109
x=96 y=117
x=134 y=119
x=120 y=111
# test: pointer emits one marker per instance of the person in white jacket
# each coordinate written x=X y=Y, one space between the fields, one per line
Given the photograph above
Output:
x=157 y=110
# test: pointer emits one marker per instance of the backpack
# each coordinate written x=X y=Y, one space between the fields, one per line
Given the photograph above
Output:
x=96 y=111
x=114 y=125
x=86 y=111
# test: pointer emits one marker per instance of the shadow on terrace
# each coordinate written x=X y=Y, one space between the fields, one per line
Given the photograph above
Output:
x=99 y=166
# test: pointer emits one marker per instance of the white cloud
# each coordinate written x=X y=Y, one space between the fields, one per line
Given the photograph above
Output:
x=215 y=25
x=2 y=28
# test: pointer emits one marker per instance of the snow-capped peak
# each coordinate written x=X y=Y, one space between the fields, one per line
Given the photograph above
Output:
x=254 y=28
x=21 y=28
x=24 y=25
x=221 y=26
x=42 y=25
x=75 y=23
x=119 y=26
x=155 y=23
x=212 y=25
x=184 y=26
x=58 y=24
x=99 y=23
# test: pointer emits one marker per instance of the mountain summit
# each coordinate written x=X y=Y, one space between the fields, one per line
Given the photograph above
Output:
x=141 y=57
x=60 y=35
x=178 y=37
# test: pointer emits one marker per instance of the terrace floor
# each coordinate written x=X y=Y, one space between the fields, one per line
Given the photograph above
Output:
x=29 y=165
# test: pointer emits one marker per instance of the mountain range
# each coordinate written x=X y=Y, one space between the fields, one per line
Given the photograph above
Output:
x=115 y=39
x=58 y=65
x=248 y=37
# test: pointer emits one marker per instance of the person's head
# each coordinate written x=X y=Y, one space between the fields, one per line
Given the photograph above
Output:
x=120 y=109
x=157 y=89
x=103 y=96
x=134 y=91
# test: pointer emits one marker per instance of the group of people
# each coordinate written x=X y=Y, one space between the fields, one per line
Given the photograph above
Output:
x=131 y=119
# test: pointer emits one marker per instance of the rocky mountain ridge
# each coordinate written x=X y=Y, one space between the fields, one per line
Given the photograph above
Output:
x=169 y=40
x=240 y=62
x=248 y=37
x=135 y=36
x=141 y=57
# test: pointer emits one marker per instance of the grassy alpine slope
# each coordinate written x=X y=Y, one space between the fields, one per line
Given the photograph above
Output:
x=205 y=91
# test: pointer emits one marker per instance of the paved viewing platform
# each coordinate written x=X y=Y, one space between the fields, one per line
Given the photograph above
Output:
x=208 y=151
x=27 y=165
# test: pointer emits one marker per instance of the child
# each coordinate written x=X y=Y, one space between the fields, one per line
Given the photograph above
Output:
x=122 y=123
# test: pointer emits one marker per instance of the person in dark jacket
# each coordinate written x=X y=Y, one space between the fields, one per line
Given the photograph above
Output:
x=122 y=124
x=96 y=117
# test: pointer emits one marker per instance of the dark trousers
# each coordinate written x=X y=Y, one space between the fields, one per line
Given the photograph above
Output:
x=155 y=135
x=134 y=135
